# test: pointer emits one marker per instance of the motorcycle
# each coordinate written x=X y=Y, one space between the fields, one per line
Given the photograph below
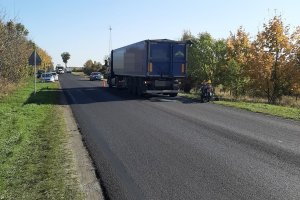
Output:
x=206 y=97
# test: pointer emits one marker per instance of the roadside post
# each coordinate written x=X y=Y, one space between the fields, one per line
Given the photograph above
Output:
x=34 y=60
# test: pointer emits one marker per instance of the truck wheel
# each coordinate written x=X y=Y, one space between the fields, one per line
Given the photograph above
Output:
x=139 y=91
x=134 y=86
x=173 y=94
x=109 y=84
x=130 y=86
x=135 y=90
x=117 y=82
x=131 y=89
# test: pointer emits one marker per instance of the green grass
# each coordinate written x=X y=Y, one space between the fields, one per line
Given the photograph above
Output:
x=34 y=163
x=78 y=73
x=193 y=96
x=280 y=111
x=276 y=110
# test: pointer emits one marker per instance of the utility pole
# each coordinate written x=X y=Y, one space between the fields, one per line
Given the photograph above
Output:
x=14 y=10
x=110 y=42
x=34 y=71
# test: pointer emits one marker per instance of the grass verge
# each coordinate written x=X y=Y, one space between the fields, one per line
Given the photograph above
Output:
x=280 y=111
x=78 y=73
x=275 y=110
x=34 y=162
x=192 y=96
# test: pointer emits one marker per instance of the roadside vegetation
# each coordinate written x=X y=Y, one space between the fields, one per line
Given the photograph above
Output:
x=265 y=67
x=65 y=57
x=280 y=111
x=78 y=73
x=260 y=75
x=93 y=66
x=34 y=161
x=254 y=105
x=15 y=49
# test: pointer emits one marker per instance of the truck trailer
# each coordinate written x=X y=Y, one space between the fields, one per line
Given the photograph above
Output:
x=149 y=67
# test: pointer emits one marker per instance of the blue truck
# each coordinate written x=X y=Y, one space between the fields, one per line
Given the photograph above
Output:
x=149 y=67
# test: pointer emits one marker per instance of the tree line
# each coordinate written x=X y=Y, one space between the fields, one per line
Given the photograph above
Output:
x=93 y=66
x=267 y=66
x=15 y=49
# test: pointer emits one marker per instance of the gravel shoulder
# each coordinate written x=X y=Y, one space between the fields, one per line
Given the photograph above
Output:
x=83 y=164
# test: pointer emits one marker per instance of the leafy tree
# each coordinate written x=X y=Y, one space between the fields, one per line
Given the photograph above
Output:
x=65 y=57
x=187 y=35
x=220 y=53
x=294 y=68
x=268 y=63
x=14 y=52
x=267 y=67
x=93 y=66
x=189 y=81
x=46 y=59
x=15 y=49
x=235 y=76
x=206 y=56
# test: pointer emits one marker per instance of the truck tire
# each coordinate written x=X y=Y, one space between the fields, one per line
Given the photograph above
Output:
x=117 y=82
x=135 y=90
x=139 y=91
x=140 y=87
x=134 y=86
x=109 y=83
x=130 y=85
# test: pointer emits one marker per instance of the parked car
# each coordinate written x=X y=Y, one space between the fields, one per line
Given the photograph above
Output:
x=96 y=76
x=47 y=77
x=39 y=73
x=55 y=76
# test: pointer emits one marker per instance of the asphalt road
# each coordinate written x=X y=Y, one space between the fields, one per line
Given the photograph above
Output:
x=172 y=148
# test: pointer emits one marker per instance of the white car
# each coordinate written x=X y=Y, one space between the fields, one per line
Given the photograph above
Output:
x=47 y=77
x=55 y=76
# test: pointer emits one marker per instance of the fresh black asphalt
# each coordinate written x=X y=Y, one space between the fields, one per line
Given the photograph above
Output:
x=173 y=148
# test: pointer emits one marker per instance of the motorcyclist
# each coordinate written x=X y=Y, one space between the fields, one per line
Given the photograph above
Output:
x=209 y=88
x=206 y=91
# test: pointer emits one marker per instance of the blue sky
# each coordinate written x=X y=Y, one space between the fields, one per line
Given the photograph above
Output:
x=81 y=27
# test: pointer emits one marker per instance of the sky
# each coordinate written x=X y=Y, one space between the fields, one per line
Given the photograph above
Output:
x=81 y=27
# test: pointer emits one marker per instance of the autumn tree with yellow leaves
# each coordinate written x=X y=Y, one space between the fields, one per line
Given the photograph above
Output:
x=267 y=67
x=47 y=63
x=295 y=63
x=235 y=73
x=271 y=65
x=15 y=49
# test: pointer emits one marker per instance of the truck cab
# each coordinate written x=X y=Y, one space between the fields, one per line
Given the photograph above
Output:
x=60 y=70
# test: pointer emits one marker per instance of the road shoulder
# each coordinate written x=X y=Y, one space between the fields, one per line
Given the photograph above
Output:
x=83 y=164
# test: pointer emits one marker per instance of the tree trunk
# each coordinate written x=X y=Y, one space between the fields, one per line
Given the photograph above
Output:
x=274 y=79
